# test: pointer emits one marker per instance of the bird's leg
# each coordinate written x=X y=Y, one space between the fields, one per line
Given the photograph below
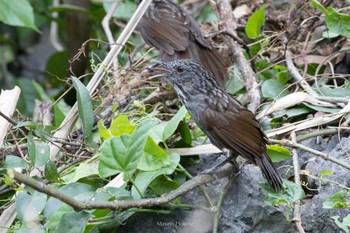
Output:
x=230 y=157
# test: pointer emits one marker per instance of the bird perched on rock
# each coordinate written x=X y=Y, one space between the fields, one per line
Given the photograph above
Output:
x=220 y=116
x=170 y=29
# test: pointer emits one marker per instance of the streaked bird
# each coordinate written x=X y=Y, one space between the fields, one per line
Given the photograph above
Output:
x=220 y=116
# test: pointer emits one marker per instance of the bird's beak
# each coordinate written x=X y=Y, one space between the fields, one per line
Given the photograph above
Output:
x=160 y=69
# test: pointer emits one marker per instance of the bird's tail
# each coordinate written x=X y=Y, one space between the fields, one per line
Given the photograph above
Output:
x=270 y=173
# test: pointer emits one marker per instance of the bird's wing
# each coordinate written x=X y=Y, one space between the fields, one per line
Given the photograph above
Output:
x=236 y=130
x=170 y=30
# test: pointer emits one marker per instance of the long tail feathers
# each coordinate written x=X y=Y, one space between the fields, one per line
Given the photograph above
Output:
x=270 y=172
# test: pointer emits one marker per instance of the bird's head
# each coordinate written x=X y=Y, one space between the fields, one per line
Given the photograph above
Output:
x=184 y=74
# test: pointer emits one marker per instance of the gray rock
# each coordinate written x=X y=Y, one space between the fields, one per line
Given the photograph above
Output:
x=244 y=209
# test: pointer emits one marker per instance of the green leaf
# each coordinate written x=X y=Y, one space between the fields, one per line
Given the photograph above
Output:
x=84 y=169
x=163 y=131
x=51 y=171
x=73 y=222
x=235 y=83
x=321 y=108
x=343 y=91
x=185 y=134
x=266 y=72
x=143 y=179
x=29 y=124
x=278 y=153
x=318 y=6
x=78 y=191
x=86 y=113
x=174 y=122
x=102 y=130
x=17 y=13
x=154 y=157
x=255 y=22
x=290 y=193
x=273 y=89
x=121 y=125
x=29 y=204
x=121 y=153
x=326 y=172
x=56 y=217
x=124 y=10
x=345 y=225
x=12 y=161
x=337 y=22
x=338 y=200
x=163 y=184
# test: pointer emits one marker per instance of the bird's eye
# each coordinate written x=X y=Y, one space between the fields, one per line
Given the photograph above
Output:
x=180 y=69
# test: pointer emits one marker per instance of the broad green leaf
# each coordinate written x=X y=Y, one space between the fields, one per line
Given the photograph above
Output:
x=278 y=153
x=338 y=23
x=84 y=169
x=143 y=179
x=29 y=204
x=174 y=122
x=235 y=83
x=318 y=6
x=163 y=131
x=12 y=161
x=273 y=89
x=266 y=70
x=338 y=200
x=51 y=172
x=163 y=184
x=78 y=191
x=345 y=224
x=185 y=133
x=290 y=193
x=102 y=130
x=85 y=111
x=17 y=13
x=121 y=153
x=56 y=217
x=73 y=222
x=343 y=91
x=154 y=157
x=121 y=125
x=255 y=22
x=125 y=9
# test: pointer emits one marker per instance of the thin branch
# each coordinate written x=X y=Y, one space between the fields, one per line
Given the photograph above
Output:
x=297 y=76
x=296 y=211
x=251 y=84
x=316 y=152
x=115 y=205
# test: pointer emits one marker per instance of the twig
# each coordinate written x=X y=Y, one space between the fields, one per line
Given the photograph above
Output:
x=225 y=189
x=114 y=205
x=323 y=132
x=297 y=76
x=296 y=211
x=316 y=152
x=106 y=28
x=251 y=84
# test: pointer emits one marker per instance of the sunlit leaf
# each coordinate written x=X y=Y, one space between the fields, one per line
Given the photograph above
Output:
x=255 y=22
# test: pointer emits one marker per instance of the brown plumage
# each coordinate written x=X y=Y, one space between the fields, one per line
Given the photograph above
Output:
x=170 y=29
x=220 y=116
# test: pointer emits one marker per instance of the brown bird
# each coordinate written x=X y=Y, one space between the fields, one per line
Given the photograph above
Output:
x=220 y=116
x=170 y=29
